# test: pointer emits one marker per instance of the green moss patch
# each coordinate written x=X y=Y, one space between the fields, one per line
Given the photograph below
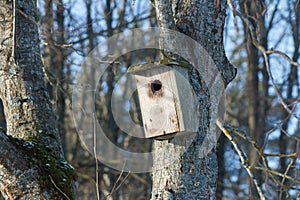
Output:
x=55 y=172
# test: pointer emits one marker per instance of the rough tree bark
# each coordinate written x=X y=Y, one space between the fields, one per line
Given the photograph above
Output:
x=192 y=177
x=32 y=165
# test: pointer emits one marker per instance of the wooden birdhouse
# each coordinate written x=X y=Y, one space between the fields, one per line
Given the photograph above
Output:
x=167 y=101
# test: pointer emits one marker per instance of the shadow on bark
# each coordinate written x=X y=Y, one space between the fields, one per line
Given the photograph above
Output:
x=2 y=120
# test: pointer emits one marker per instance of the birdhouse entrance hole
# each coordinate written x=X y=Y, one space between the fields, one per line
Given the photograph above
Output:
x=156 y=86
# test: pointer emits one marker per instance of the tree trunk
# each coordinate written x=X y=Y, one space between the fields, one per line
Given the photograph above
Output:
x=292 y=82
x=221 y=167
x=54 y=61
x=191 y=176
x=32 y=165
x=257 y=91
x=252 y=79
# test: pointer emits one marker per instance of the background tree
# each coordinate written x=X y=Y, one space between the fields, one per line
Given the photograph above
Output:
x=32 y=164
x=82 y=32
x=267 y=72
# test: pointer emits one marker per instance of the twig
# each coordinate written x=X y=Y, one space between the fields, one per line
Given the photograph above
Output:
x=272 y=51
x=253 y=35
x=115 y=187
x=281 y=155
x=287 y=134
x=274 y=85
x=253 y=142
x=116 y=182
x=285 y=176
x=96 y=159
x=52 y=181
x=243 y=158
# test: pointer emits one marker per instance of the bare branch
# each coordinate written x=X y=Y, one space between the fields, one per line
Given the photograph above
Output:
x=243 y=159
x=280 y=155
x=273 y=15
x=65 y=195
x=265 y=54
x=96 y=159
x=256 y=147
x=272 y=51
x=275 y=173
x=254 y=40
x=285 y=176
x=116 y=187
x=287 y=134
x=228 y=128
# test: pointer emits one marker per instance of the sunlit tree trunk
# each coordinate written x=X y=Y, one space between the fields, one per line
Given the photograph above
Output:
x=32 y=165
x=192 y=177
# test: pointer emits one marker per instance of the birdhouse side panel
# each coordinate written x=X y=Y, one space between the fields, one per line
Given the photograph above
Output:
x=187 y=105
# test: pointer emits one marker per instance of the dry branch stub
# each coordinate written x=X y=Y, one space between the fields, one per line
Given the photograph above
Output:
x=167 y=100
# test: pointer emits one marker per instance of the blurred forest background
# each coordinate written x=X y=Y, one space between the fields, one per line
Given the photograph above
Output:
x=262 y=103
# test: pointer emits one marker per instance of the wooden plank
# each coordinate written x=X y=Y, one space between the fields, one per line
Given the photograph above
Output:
x=187 y=105
x=157 y=107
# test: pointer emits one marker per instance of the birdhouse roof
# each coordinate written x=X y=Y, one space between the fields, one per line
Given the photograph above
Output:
x=163 y=63
x=143 y=67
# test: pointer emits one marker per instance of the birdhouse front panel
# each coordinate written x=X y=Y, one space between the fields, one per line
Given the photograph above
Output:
x=167 y=101
x=157 y=101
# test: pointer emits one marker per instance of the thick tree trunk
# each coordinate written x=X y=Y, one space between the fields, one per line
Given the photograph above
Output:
x=191 y=176
x=31 y=160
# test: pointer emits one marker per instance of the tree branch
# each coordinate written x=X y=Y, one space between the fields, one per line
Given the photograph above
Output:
x=272 y=51
x=254 y=40
x=265 y=54
x=243 y=158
